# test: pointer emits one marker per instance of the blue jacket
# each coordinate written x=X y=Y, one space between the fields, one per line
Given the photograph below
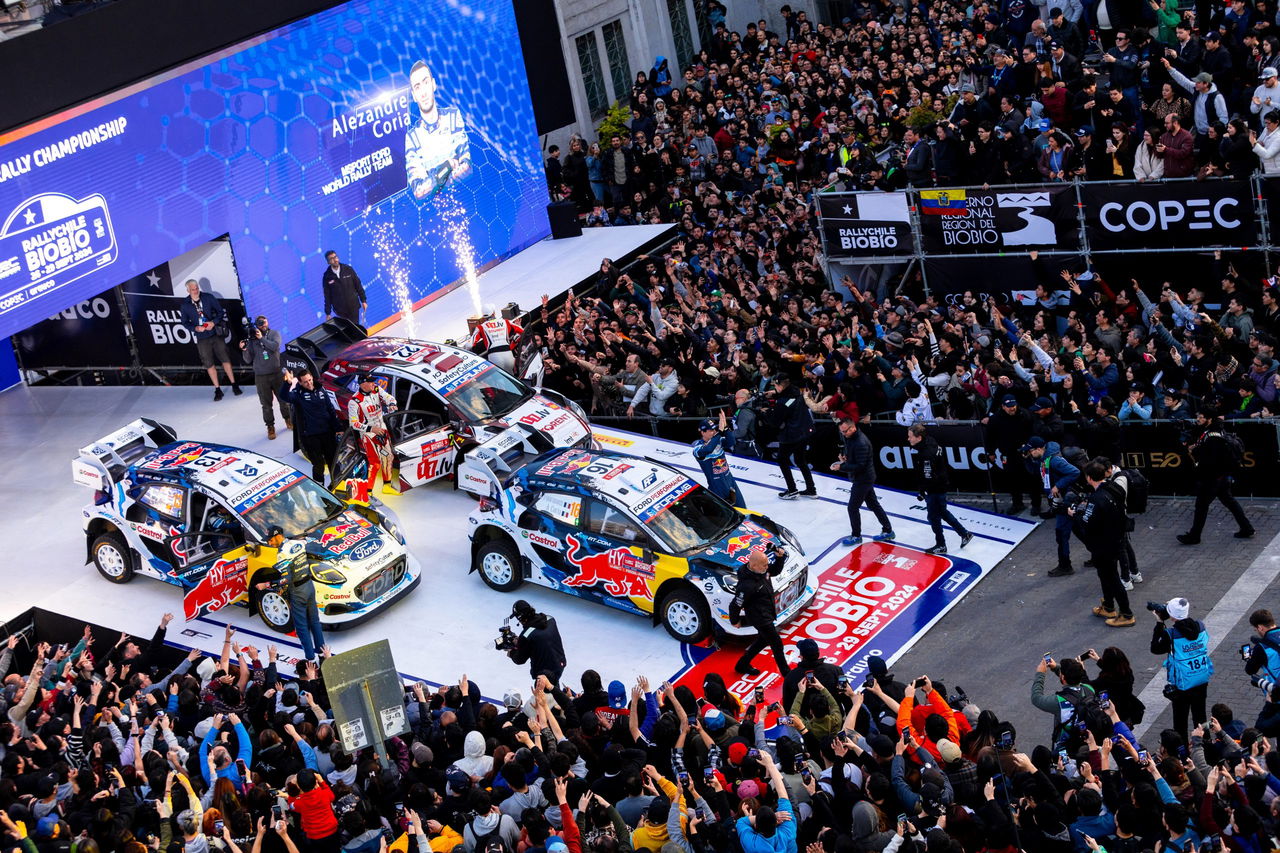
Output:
x=230 y=771
x=312 y=412
x=1094 y=826
x=783 y=839
x=715 y=465
x=210 y=311
x=1061 y=472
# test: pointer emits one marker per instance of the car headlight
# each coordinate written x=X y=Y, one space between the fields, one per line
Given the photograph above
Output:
x=728 y=582
x=328 y=575
x=790 y=539
x=392 y=528
x=577 y=410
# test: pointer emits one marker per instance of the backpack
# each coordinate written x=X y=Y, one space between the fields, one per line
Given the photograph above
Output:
x=482 y=840
x=1137 y=492
x=1086 y=708
x=1235 y=447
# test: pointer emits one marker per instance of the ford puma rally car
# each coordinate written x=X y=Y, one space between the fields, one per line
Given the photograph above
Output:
x=455 y=411
x=197 y=516
x=633 y=534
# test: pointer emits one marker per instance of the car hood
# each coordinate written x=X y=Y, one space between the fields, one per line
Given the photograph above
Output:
x=561 y=426
x=732 y=551
x=352 y=543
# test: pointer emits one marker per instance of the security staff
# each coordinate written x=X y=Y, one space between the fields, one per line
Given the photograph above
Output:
x=1264 y=656
x=1187 y=664
x=1101 y=525
x=343 y=292
x=1215 y=464
x=716 y=439
x=538 y=643
x=794 y=422
x=315 y=423
x=753 y=606
x=1007 y=429
x=858 y=462
x=934 y=482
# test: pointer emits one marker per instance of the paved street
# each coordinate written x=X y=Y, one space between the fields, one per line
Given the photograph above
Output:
x=991 y=642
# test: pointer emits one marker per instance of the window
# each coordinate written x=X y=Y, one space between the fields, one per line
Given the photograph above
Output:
x=566 y=509
x=678 y=11
x=607 y=521
x=592 y=75
x=169 y=501
x=615 y=48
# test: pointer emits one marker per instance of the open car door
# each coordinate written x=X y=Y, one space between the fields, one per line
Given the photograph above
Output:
x=425 y=446
x=216 y=572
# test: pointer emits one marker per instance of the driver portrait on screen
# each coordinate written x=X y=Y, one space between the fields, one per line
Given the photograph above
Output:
x=435 y=147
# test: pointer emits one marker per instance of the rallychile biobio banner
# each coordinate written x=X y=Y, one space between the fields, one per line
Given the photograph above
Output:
x=398 y=134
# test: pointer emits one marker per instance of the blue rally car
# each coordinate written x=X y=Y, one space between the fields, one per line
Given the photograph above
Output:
x=633 y=534
x=196 y=515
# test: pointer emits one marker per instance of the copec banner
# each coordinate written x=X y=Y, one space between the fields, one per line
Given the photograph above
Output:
x=1086 y=218
x=398 y=134
x=1157 y=449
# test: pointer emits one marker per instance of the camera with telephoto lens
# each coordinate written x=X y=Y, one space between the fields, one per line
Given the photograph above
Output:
x=1158 y=609
x=506 y=639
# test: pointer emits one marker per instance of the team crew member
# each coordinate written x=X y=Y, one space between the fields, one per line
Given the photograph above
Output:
x=744 y=424
x=315 y=423
x=538 y=643
x=1101 y=525
x=794 y=422
x=343 y=291
x=753 y=606
x=716 y=439
x=1056 y=476
x=436 y=150
x=203 y=316
x=366 y=413
x=262 y=353
x=935 y=479
x=298 y=585
x=858 y=462
x=496 y=340
x=1187 y=664
x=1215 y=463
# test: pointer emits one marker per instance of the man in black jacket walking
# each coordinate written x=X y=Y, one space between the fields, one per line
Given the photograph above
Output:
x=753 y=606
x=1101 y=525
x=1215 y=464
x=1007 y=430
x=935 y=480
x=858 y=462
x=795 y=427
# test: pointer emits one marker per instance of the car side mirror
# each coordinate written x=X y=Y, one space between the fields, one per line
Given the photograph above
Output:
x=647 y=555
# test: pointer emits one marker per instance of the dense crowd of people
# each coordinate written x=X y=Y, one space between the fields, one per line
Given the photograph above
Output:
x=114 y=749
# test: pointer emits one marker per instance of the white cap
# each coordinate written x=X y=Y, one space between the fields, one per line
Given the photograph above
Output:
x=1178 y=608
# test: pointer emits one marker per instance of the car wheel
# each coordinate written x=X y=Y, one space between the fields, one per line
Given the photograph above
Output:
x=113 y=558
x=686 y=616
x=499 y=565
x=272 y=605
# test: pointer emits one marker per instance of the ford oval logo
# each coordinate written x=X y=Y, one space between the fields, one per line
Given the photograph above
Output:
x=365 y=550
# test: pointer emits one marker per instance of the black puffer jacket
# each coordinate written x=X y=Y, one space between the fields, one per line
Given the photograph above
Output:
x=932 y=468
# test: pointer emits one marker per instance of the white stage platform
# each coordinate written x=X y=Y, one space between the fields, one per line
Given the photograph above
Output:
x=549 y=266
x=446 y=627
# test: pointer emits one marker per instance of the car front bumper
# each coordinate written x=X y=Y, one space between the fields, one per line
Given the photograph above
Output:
x=412 y=577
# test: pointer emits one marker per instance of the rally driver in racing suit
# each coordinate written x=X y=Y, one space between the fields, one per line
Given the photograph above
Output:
x=496 y=339
x=709 y=450
x=366 y=412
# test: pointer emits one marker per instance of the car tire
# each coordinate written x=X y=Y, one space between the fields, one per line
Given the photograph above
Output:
x=499 y=565
x=113 y=558
x=685 y=615
x=274 y=609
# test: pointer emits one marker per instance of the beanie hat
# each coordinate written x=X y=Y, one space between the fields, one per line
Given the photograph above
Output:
x=808 y=648
x=748 y=788
x=737 y=752
x=1178 y=608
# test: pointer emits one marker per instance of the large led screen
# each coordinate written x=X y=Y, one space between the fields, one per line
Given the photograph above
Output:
x=398 y=134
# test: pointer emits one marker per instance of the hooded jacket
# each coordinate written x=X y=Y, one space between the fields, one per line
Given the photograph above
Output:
x=485 y=824
x=474 y=762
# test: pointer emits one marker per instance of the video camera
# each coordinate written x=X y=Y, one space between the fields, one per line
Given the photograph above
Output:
x=506 y=639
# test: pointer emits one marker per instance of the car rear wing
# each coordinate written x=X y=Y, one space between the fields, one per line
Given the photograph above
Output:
x=486 y=467
x=105 y=462
x=315 y=348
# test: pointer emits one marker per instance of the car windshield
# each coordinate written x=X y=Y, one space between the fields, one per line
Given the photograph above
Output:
x=696 y=520
x=490 y=395
x=296 y=510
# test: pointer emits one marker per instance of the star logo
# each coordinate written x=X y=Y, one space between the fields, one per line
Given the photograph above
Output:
x=30 y=216
x=154 y=279
x=847 y=210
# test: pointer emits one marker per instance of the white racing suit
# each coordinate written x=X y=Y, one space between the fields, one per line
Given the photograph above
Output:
x=496 y=340
x=365 y=413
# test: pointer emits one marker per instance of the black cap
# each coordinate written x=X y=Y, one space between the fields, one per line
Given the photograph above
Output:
x=274 y=530
x=364 y=376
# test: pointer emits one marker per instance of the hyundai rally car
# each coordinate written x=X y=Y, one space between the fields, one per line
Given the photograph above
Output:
x=453 y=406
x=196 y=515
x=633 y=534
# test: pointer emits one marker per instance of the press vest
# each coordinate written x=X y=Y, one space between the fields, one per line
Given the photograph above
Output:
x=1188 y=664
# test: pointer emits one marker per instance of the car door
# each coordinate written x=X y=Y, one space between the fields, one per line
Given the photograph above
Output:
x=611 y=558
x=421 y=435
x=215 y=574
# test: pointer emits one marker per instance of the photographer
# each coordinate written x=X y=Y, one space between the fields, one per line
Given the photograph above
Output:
x=1188 y=667
x=1056 y=476
x=537 y=643
x=261 y=351
x=744 y=424
x=1263 y=655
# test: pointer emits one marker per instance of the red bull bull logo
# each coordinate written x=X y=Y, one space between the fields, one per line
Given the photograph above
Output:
x=622 y=573
x=342 y=537
x=225 y=581
x=177 y=457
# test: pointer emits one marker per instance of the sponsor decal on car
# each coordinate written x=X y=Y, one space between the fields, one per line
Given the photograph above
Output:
x=225 y=581
x=341 y=537
x=459 y=376
x=175 y=457
x=543 y=539
x=622 y=573
x=567 y=463
x=365 y=551
x=86 y=475
x=251 y=497
x=662 y=496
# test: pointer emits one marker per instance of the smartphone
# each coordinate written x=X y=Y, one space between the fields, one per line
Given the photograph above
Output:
x=1084 y=655
x=810 y=677
x=998 y=781
x=784 y=721
x=708 y=773
x=753 y=754
x=1062 y=755
x=1103 y=701
x=400 y=811
x=775 y=707
x=801 y=762
x=1143 y=757
x=806 y=776
x=759 y=700
x=276 y=814
x=218 y=826
x=1048 y=658
x=683 y=778
x=1004 y=740
x=919 y=683
x=906 y=734
x=843 y=682
x=902 y=818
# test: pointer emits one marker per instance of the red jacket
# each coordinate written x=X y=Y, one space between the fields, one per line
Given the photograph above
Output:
x=315 y=807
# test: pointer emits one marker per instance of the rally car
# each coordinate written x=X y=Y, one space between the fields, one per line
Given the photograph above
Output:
x=451 y=404
x=197 y=516
x=633 y=534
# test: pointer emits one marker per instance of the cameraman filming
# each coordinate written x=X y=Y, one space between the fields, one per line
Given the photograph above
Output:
x=537 y=642
x=261 y=351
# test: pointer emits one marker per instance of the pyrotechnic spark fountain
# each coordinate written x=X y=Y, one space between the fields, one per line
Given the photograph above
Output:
x=455 y=223
x=391 y=256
